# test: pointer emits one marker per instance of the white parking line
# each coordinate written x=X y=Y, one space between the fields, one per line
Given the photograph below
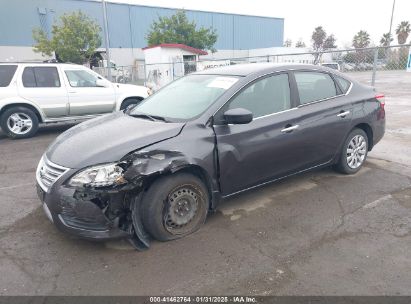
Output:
x=377 y=202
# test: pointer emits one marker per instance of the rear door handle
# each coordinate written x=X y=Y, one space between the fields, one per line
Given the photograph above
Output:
x=290 y=128
x=343 y=114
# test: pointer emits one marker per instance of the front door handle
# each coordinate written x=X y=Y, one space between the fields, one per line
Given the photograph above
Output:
x=290 y=128
x=343 y=114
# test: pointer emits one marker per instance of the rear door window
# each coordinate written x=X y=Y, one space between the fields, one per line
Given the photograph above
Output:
x=6 y=74
x=29 y=81
x=41 y=77
x=314 y=86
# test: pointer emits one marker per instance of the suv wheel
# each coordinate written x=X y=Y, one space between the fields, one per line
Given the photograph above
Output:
x=19 y=122
x=354 y=152
x=175 y=206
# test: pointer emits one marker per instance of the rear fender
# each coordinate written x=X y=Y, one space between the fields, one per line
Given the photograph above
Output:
x=18 y=101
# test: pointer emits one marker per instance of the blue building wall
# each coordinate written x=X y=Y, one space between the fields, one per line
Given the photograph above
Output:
x=128 y=24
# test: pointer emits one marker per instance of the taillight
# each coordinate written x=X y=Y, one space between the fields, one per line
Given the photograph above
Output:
x=381 y=99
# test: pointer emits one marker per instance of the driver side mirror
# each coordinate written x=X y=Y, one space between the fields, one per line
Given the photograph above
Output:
x=238 y=116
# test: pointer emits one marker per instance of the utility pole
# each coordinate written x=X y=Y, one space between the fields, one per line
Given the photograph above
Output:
x=392 y=15
x=106 y=40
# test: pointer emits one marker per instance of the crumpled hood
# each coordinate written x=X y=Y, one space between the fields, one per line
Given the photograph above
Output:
x=106 y=139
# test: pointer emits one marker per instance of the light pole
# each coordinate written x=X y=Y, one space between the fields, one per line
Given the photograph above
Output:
x=106 y=39
x=392 y=15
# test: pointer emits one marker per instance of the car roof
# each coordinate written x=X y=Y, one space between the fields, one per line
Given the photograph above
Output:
x=34 y=63
x=257 y=68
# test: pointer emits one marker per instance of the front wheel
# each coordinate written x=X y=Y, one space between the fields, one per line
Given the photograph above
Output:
x=354 y=152
x=19 y=122
x=175 y=206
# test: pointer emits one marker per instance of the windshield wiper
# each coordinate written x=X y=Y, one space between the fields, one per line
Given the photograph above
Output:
x=147 y=116
x=144 y=116
x=156 y=117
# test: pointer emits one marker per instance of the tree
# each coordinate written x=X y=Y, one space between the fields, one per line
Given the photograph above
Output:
x=300 y=44
x=74 y=39
x=329 y=42
x=402 y=31
x=178 y=29
x=321 y=42
x=288 y=43
x=361 y=40
x=386 y=39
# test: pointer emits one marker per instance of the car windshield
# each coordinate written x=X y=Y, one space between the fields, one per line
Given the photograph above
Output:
x=185 y=98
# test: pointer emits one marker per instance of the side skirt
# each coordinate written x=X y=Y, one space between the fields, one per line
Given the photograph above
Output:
x=279 y=178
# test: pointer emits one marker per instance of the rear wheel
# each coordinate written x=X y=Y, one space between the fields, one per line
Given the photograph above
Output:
x=19 y=122
x=175 y=206
x=354 y=152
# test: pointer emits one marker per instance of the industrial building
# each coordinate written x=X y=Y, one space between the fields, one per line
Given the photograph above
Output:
x=128 y=25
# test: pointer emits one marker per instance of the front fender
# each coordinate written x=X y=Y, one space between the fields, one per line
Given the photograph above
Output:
x=129 y=91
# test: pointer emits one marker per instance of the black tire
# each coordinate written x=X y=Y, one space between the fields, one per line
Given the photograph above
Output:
x=162 y=201
x=22 y=112
x=130 y=102
x=343 y=164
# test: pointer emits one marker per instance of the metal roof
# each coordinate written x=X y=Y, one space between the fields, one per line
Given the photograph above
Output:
x=177 y=46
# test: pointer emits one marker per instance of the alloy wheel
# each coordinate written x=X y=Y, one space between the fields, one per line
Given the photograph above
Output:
x=19 y=123
x=356 y=151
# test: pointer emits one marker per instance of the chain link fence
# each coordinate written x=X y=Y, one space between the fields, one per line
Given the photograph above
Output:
x=367 y=64
x=134 y=74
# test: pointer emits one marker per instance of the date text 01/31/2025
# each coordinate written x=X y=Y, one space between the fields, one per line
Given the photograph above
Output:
x=203 y=299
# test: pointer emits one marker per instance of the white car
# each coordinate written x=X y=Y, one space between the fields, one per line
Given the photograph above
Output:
x=331 y=65
x=33 y=93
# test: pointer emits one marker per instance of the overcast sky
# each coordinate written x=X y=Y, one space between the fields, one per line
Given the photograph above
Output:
x=342 y=18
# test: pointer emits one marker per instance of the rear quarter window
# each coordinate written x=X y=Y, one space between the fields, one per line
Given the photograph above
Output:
x=6 y=74
x=343 y=83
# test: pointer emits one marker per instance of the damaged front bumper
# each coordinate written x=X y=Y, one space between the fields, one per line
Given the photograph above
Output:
x=84 y=214
x=104 y=212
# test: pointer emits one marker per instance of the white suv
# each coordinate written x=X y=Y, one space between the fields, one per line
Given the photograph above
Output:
x=33 y=93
